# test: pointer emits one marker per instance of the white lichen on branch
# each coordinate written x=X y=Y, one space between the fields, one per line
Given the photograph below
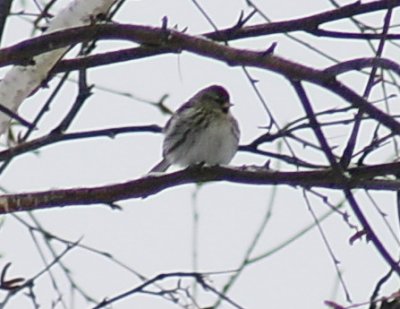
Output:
x=20 y=81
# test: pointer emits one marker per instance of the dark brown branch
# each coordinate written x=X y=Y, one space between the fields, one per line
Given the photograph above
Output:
x=362 y=63
x=308 y=24
x=145 y=52
x=15 y=116
x=232 y=56
x=316 y=127
x=110 y=58
x=353 y=36
x=152 y=184
x=353 y=138
x=22 y=52
x=339 y=173
x=84 y=92
x=198 y=277
x=371 y=235
x=57 y=137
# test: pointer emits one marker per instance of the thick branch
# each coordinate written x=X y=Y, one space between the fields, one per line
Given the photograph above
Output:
x=309 y=24
x=152 y=184
x=112 y=57
x=204 y=47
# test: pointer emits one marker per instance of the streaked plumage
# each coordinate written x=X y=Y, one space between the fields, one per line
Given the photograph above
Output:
x=201 y=131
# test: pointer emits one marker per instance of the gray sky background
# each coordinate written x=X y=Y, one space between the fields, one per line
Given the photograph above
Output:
x=155 y=235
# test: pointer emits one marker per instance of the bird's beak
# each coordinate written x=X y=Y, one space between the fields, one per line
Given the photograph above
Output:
x=226 y=106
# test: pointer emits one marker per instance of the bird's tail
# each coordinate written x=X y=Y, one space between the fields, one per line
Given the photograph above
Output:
x=160 y=167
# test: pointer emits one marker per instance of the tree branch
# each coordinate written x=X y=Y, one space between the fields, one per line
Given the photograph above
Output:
x=204 y=47
x=152 y=184
x=56 y=137
x=308 y=24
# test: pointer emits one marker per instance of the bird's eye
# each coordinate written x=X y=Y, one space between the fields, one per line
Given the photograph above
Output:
x=218 y=98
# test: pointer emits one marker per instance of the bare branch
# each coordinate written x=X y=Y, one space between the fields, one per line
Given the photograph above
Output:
x=152 y=184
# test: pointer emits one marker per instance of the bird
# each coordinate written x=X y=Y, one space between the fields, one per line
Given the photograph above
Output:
x=201 y=131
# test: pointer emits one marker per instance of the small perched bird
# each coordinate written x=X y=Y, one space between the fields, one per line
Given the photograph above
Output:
x=202 y=130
